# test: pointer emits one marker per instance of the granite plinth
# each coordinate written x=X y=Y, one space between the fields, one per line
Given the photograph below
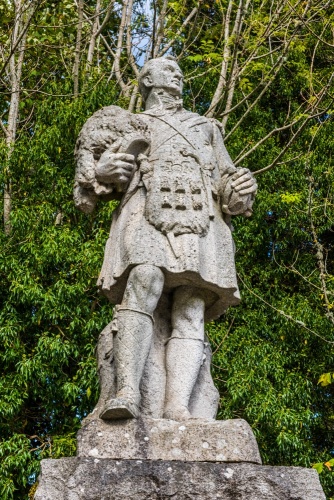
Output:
x=195 y=440
x=106 y=479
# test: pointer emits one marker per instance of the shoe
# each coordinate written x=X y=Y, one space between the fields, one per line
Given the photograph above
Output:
x=119 y=408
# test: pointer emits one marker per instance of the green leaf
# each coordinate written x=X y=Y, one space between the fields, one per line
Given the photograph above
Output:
x=318 y=467
x=325 y=379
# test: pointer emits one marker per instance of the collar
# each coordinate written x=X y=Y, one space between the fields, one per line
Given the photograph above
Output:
x=165 y=103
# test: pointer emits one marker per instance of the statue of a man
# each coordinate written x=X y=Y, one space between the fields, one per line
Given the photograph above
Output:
x=171 y=233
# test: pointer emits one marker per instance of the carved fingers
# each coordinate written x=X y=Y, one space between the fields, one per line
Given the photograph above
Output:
x=238 y=193
x=244 y=182
x=115 y=168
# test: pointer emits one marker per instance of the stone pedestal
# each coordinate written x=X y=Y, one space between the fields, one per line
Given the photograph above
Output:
x=106 y=479
x=164 y=459
x=194 y=440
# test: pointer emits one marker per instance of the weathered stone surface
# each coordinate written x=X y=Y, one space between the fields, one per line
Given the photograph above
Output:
x=162 y=439
x=170 y=243
x=204 y=398
x=105 y=479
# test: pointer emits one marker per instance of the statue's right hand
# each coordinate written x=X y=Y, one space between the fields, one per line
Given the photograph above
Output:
x=115 y=168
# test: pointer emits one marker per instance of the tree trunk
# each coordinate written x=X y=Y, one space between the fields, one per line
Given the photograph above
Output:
x=76 y=65
x=15 y=72
x=92 y=41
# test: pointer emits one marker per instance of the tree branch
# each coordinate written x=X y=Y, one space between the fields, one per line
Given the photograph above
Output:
x=77 y=51
x=179 y=31
x=301 y=128
x=20 y=36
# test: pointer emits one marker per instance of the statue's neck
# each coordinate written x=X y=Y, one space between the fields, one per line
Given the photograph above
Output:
x=160 y=99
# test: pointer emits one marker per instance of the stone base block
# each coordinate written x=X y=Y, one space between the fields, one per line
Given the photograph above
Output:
x=160 y=439
x=106 y=479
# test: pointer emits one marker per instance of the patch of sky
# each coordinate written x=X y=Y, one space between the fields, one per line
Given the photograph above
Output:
x=143 y=19
x=142 y=28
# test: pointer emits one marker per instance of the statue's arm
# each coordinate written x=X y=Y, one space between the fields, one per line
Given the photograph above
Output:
x=237 y=186
x=101 y=170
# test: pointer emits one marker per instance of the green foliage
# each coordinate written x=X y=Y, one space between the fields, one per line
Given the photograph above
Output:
x=50 y=310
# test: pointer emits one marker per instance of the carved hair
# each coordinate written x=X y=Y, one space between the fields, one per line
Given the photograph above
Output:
x=146 y=69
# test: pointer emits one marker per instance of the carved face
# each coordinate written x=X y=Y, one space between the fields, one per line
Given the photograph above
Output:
x=165 y=75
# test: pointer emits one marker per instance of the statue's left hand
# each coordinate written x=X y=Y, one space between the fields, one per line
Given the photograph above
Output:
x=243 y=182
x=238 y=192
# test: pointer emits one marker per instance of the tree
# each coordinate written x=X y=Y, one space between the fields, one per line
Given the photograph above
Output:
x=263 y=70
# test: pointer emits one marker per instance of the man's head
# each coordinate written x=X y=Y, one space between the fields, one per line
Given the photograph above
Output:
x=161 y=73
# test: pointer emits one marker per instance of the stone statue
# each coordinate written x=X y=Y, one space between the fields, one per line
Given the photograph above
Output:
x=168 y=267
x=169 y=261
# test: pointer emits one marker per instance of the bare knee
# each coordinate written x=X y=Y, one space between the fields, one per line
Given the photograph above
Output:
x=188 y=313
x=144 y=288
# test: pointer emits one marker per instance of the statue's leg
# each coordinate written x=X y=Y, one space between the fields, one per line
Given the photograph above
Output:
x=133 y=339
x=184 y=351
